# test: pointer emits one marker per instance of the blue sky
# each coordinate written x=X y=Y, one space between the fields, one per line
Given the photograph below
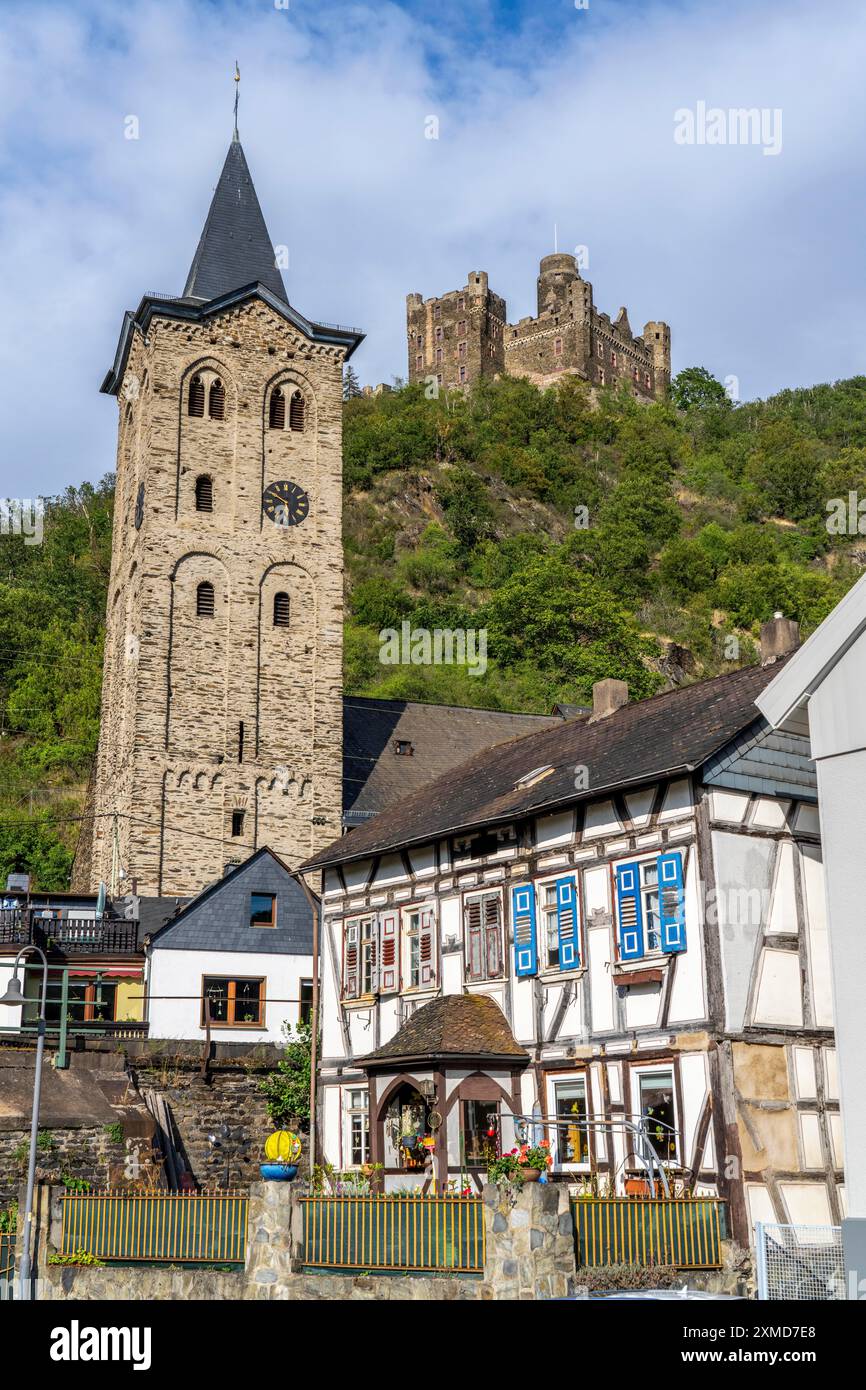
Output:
x=547 y=114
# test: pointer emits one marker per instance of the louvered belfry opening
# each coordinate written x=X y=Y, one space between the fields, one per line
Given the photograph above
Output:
x=296 y=411
x=217 y=400
x=205 y=602
x=196 y=396
x=204 y=494
x=281 y=610
x=277 y=413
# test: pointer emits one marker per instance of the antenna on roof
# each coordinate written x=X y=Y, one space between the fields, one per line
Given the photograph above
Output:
x=237 y=94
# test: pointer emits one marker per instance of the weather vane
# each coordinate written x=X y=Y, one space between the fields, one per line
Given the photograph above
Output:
x=237 y=94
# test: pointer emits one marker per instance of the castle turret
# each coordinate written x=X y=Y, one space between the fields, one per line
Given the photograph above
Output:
x=557 y=275
x=657 y=337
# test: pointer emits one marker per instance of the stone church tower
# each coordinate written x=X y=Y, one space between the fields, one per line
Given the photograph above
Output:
x=222 y=689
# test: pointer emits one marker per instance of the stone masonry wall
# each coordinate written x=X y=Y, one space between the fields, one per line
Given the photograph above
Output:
x=203 y=716
x=79 y=1152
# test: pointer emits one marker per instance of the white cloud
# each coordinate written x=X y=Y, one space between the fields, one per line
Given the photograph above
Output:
x=755 y=262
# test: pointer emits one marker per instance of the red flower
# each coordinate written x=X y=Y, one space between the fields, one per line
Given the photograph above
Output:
x=544 y=1144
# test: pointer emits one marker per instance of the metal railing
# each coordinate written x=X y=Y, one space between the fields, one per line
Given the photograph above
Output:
x=683 y=1231
x=394 y=1233
x=7 y=1260
x=169 y=1228
x=68 y=935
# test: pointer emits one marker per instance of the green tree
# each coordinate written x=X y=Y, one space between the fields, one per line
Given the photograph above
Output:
x=695 y=388
x=287 y=1089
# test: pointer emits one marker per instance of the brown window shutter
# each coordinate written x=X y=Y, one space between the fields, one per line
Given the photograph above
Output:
x=205 y=604
x=217 y=400
x=204 y=494
x=196 y=396
x=281 y=610
x=492 y=936
x=277 y=410
x=297 y=408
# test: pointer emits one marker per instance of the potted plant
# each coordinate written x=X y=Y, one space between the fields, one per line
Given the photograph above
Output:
x=534 y=1159
x=282 y=1150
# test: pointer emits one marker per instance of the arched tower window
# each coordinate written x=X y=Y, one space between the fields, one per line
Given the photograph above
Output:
x=204 y=494
x=277 y=412
x=297 y=406
x=281 y=610
x=196 y=397
x=204 y=600
x=217 y=400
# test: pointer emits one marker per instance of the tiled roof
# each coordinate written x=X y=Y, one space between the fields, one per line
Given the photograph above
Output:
x=234 y=248
x=441 y=737
x=676 y=731
x=455 y=1025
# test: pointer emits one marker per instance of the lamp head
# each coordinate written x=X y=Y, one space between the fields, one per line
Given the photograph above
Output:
x=13 y=993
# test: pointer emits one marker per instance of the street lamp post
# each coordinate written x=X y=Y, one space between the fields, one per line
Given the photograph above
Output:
x=15 y=996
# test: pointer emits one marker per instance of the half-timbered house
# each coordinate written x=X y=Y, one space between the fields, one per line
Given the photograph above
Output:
x=610 y=930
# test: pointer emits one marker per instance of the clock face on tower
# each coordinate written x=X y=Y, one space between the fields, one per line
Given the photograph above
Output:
x=286 y=504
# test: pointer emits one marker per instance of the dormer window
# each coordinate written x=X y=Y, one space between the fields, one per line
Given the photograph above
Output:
x=205 y=600
x=204 y=494
x=217 y=400
x=277 y=410
x=297 y=409
x=195 y=404
x=281 y=610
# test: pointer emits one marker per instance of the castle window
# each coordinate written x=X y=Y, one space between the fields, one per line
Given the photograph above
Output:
x=557 y=347
x=462 y=373
x=461 y=302
x=438 y=356
x=437 y=311
x=216 y=405
x=647 y=380
x=636 y=374
x=461 y=349
x=237 y=823
x=205 y=605
x=419 y=362
x=439 y=334
x=461 y=328
x=204 y=494
x=613 y=359
x=281 y=610
x=601 y=375
x=297 y=407
x=195 y=405
x=277 y=410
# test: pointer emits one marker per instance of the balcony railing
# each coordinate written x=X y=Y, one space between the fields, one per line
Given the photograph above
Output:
x=69 y=936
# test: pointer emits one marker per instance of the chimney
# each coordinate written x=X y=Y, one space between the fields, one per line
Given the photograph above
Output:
x=778 y=637
x=607 y=697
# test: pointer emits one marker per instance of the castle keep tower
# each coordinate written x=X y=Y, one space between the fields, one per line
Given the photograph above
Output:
x=222 y=713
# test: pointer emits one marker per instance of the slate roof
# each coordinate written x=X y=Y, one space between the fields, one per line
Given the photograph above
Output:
x=218 y=919
x=442 y=737
x=234 y=248
x=677 y=731
x=455 y=1025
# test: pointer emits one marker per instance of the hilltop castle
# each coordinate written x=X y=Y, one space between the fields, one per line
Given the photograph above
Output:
x=465 y=335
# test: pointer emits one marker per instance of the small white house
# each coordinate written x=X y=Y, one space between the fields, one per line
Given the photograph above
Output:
x=237 y=959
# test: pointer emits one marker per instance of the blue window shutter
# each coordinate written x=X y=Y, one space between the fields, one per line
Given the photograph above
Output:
x=568 y=924
x=672 y=902
x=525 y=938
x=630 y=911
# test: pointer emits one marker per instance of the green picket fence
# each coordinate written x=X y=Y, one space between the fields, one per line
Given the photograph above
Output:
x=683 y=1231
x=165 y=1227
x=394 y=1233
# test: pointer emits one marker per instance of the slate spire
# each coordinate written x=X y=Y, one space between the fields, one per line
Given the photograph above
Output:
x=234 y=248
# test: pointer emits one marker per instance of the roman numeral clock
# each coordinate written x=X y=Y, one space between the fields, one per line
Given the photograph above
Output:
x=285 y=503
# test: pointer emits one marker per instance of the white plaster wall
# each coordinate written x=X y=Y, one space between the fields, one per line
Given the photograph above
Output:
x=678 y=798
x=779 y=998
x=554 y=830
x=688 y=996
x=819 y=941
x=179 y=973
x=694 y=1082
x=600 y=981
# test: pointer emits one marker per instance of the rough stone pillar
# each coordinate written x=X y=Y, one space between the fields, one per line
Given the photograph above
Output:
x=530 y=1241
x=274 y=1239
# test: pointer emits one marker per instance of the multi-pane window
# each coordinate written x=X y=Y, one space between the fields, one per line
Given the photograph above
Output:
x=438 y=356
x=549 y=926
x=656 y=1101
x=263 y=910
x=483 y=937
x=232 y=1003
x=572 y=1140
x=440 y=333
x=461 y=328
x=359 y=956
x=358 y=1126
x=462 y=373
x=461 y=349
x=412 y=949
x=649 y=888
